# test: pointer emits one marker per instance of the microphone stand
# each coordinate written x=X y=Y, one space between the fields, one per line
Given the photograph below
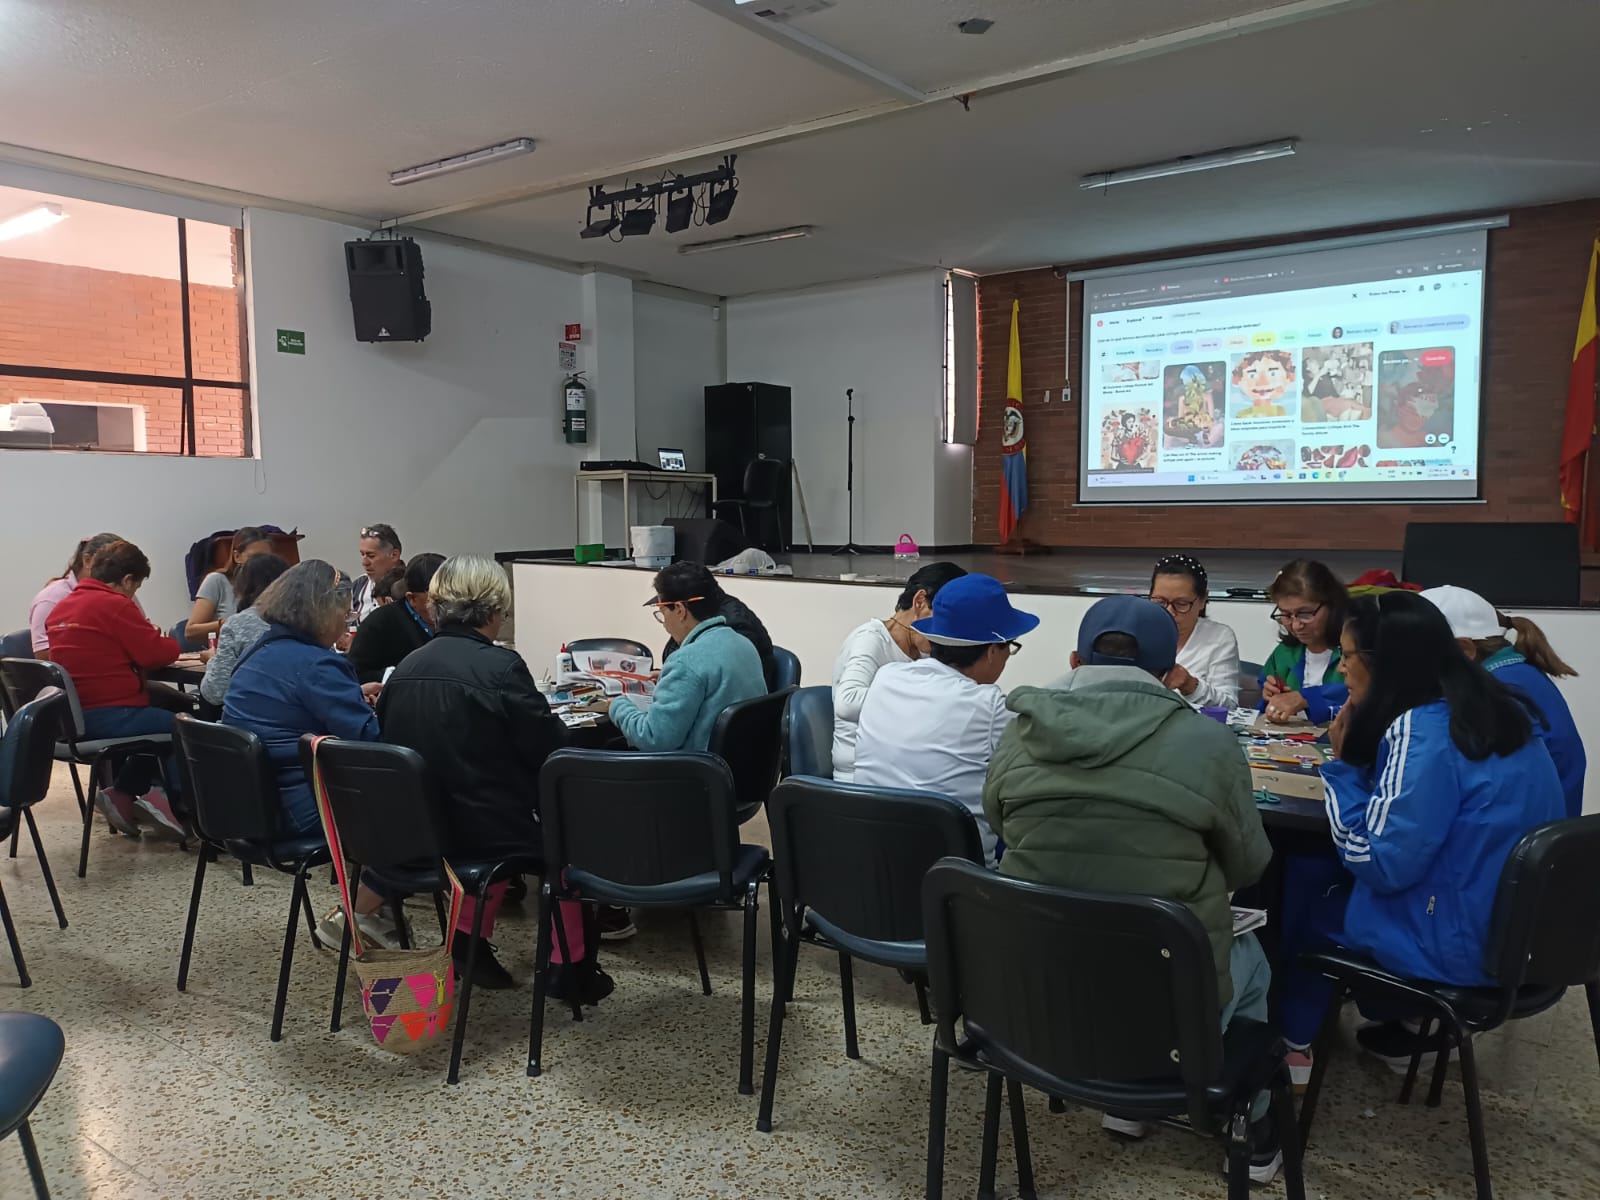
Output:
x=850 y=546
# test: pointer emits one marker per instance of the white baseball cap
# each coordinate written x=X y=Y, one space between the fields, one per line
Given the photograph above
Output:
x=1469 y=614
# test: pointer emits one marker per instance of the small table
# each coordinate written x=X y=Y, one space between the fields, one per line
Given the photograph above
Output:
x=185 y=672
x=627 y=478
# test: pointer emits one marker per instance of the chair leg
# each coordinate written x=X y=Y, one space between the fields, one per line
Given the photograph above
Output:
x=847 y=993
x=938 y=1101
x=77 y=787
x=1480 y=1146
x=792 y=955
x=464 y=997
x=247 y=877
x=398 y=904
x=1441 y=1069
x=338 y=983
x=1019 y=1140
x=44 y=865
x=15 y=831
x=16 y=946
x=1592 y=989
x=991 y=1137
x=769 y=1073
x=699 y=954
x=30 y=1153
x=311 y=920
x=1416 y=1061
x=200 y=861
x=1239 y=1150
x=747 y=998
x=288 y=952
x=922 y=1002
x=88 y=822
x=560 y=927
x=541 y=979
x=1288 y=1135
x=1326 y=1034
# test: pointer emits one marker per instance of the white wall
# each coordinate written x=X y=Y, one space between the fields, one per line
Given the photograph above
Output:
x=885 y=339
x=677 y=351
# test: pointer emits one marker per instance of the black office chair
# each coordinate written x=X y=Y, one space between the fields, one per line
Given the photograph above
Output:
x=233 y=793
x=787 y=674
x=1249 y=684
x=15 y=645
x=646 y=831
x=31 y=1047
x=24 y=678
x=1544 y=937
x=808 y=733
x=31 y=735
x=389 y=815
x=180 y=634
x=748 y=736
x=763 y=481
x=849 y=862
x=1109 y=1001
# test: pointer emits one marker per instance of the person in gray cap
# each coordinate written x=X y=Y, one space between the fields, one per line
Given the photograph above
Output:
x=1113 y=783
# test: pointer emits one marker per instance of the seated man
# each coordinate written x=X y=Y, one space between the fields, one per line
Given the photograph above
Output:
x=932 y=725
x=1115 y=784
x=380 y=554
x=398 y=627
x=742 y=621
x=713 y=667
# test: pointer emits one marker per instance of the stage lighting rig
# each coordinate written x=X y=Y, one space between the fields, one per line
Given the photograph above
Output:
x=632 y=211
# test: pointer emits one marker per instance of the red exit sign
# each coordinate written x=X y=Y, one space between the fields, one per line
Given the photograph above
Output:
x=574 y=333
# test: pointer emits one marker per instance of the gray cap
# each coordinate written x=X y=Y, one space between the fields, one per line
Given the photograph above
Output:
x=1147 y=623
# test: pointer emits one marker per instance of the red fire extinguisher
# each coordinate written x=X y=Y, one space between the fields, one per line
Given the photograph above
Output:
x=576 y=422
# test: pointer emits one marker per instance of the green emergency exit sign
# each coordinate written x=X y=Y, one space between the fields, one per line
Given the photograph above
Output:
x=291 y=341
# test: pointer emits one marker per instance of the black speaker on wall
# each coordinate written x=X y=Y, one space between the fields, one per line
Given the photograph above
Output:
x=745 y=421
x=386 y=296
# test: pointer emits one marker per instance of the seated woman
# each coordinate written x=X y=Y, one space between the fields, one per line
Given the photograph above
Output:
x=243 y=628
x=1207 y=671
x=100 y=637
x=1439 y=776
x=1529 y=667
x=56 y=590
x=214 y=602
x=1302 y=675
x=394 y=630
x=877 y=644
x=471 y=710
x=291 y=682
x=713 y=667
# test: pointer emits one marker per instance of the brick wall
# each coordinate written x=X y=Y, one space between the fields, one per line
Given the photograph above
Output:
x=88 y=319
x=1535 y=279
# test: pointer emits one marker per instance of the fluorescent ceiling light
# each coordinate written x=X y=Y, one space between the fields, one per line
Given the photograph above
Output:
x=460 y=162
x=747 y=239
x=1234 y=156
x=37 y=218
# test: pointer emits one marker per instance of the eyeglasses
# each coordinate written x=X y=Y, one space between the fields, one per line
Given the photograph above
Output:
x=1177 y=606
x=1303 y=616
x=1013 y=649
x=660 y=613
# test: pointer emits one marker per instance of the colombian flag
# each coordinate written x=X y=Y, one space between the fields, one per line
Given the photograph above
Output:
x=1580 y=428
x=1014 y=447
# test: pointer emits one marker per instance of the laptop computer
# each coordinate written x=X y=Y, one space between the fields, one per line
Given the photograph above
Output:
x=672 y=460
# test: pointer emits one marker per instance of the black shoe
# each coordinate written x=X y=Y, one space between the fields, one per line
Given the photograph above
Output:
x=517 y=889
x=487 y=970
x=586 y=980
x=1393 y=1042
x=616 y=924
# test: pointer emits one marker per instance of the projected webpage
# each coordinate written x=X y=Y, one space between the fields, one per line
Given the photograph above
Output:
x=1349 y=374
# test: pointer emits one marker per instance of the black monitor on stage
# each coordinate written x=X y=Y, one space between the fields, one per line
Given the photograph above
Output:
x=1508 y=563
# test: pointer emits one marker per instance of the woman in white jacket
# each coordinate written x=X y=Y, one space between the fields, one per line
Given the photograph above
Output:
x=1207 y=673
x=876 y=644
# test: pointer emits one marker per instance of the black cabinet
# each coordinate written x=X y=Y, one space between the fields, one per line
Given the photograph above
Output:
x=745 y=421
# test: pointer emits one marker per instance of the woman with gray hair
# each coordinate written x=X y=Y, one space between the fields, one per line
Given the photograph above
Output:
x=470 y=708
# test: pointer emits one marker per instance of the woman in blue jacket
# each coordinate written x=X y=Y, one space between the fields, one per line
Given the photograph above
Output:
x=1529 y=667
x=1439 y=776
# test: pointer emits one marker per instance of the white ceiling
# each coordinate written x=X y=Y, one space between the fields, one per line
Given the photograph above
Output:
x=1405 y=108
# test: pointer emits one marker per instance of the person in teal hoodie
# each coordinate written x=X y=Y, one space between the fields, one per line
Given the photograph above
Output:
x=714 y=667
x=1530 y=668
x=1302 y=674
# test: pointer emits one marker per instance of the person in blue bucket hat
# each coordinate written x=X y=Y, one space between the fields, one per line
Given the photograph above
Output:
x=933 y=724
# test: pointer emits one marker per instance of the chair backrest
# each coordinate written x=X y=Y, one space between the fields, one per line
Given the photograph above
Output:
x=763 y=478
x=748 y=736
x=610 y=646
x=31 y=733
x=1080 y=994
x=856 y=856
x=639 y=819
x=231 y=786
x=1545 y=926
x=787 y=674
x=180 y=634
x=1249 y=683
x=17 y=645
x=384 y=802
x=808 y=733
x=24 y=678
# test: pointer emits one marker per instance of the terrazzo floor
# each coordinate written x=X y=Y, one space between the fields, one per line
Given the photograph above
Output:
x=168 y=1095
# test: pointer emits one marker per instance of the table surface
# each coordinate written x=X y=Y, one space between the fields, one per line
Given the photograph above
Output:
x=184 y=670
x=696 y=476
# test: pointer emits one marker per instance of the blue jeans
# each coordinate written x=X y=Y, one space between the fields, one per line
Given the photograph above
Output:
x=1316 y=889
x=137 y=773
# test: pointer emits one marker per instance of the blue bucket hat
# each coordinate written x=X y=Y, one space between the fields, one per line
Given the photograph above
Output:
x=1146 y=622
x=974 y=611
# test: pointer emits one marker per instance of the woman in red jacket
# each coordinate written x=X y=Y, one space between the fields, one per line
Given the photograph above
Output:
x=100 y=637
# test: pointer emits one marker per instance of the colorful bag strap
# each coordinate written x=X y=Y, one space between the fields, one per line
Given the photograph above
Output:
x=341 y=869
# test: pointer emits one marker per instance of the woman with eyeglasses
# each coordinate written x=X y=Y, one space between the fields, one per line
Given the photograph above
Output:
x=1207 y=671
x=1302 y=675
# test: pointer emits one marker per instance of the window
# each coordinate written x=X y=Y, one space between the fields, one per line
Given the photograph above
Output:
x=121 y=331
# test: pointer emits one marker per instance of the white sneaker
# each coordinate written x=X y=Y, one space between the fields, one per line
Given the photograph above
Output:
x=1124 y=1127
x=377 y=929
